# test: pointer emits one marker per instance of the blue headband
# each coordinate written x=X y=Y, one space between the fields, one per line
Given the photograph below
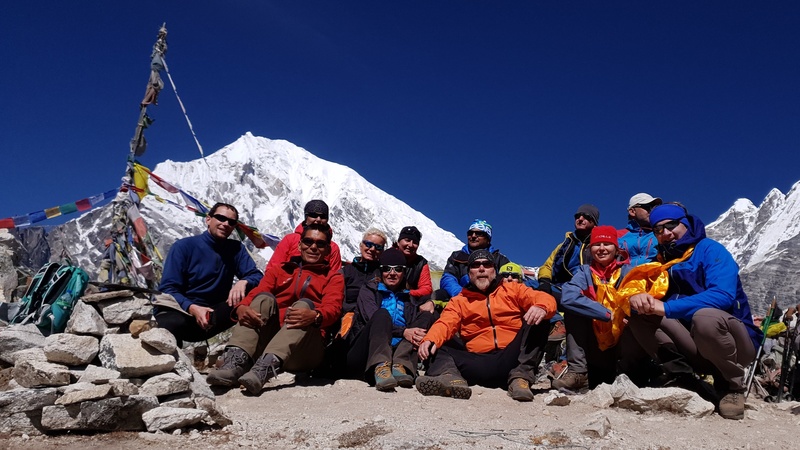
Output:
x=667 y=212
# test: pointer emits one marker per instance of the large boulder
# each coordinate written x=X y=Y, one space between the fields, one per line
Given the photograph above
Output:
x=38 y=373
x=165 y=384
x=19 y=337
x=160 y=339
x=70 y=349
x=86 y=320
x=118 y=311
x=166 y=418
x=127 y=355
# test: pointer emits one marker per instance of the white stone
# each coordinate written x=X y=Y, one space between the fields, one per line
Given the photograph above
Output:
x=93 y=392
x=597 y=428
x=85 y=320
x=164 y=384
x=70 y=349
x=62 y=417
x=98 y=375
x=166 y=418
x=29 y=354
x=22 y=400
x=19 y=337
x=599 y=397
x=123 y=388
x=126 y=354
x=160 y=339
x=38 y=373
x=120 y=311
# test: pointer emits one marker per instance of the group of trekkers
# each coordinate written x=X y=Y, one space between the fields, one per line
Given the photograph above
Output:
x=658 y=301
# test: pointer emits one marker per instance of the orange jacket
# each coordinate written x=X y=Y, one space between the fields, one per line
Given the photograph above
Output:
x=490 y=322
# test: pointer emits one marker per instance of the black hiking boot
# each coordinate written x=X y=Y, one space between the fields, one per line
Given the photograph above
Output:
x=265 y=368
x=235 y=362
x=445 y=385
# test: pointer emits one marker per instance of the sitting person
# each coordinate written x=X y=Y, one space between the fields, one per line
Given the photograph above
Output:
x=418 y=274
x=704 y=322
x=198 y=278
x=594 y=314
x=316 y=211
x=512 y=273
x=387 y=327
x=638 y=240
x=282 y=320
x=455 y=275
x=504 y=329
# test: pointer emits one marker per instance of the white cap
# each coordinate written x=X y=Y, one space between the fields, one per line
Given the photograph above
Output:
x=643 y=198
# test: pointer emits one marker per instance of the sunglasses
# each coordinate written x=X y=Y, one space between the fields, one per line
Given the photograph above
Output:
x=669 y=226
x=370 y=244
x=509 y=274
x=308 y=242
x=647 y=208
x=476 y=233
x=486 y=264
x=317 y=216
x=395 y=269
x=223 y=219
x=579 y=215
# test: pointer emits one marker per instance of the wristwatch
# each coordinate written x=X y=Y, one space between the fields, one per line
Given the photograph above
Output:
x=318 y=319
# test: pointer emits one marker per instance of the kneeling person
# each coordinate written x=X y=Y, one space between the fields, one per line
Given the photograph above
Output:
x=281 y=321
x=504 y=328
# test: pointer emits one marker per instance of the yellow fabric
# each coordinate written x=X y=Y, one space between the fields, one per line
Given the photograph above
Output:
x=651 y=278
x=140 y=177
x=775 y=329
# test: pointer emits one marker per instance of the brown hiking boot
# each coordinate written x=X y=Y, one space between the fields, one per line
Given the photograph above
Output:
x=520 y=390
x=404 y=379
x=558 y=332
x=572 y=381
x=384 y=381
x=265 y=368
x=731 y=406
x=445 y=385
x=235 y=362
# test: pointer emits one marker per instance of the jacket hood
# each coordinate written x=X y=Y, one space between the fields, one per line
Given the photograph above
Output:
x=695 y=232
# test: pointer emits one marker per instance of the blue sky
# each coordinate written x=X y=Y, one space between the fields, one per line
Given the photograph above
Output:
x=515 y=112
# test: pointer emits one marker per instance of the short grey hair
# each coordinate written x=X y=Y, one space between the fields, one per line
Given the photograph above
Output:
x=372 y=230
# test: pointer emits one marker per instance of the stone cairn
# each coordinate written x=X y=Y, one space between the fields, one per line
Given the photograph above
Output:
x=111 y=370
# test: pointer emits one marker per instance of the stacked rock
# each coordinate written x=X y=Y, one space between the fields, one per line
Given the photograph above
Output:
x=112 y=369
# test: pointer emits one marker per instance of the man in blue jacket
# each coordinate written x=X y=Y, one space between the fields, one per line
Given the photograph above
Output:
x=198 y=276
x=639 y=241
x=704 y=316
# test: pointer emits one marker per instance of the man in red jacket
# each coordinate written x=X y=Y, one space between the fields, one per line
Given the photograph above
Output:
x=282 y=320
x=316 y=211
x=504 y=329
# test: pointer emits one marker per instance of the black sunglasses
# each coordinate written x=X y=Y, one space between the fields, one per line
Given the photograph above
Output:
x=579 y=215
x=396 y=268
x=669 y=226
x=221 y=218
x=317 y=216
x=509 y=274
x=647 y=208
x=476 y=233
x=308 y=242
x=370 y=244
x=485 y=264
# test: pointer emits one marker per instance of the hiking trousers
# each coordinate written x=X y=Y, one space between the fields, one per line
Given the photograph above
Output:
x=184 y=326
x=373 y=345
x=300 y=349
x=717 y=344
x=498 y=367
x=583 y=353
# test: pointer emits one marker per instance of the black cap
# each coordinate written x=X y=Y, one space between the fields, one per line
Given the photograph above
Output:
x=410 y=232
x=393 y=257
x=590 y=211
x=480 y=254
x=316 y=207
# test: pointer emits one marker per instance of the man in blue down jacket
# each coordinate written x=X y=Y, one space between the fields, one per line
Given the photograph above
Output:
x=705 y=316
x=639 y=241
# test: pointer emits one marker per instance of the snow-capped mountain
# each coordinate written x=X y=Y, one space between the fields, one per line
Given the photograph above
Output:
x=269 y=181
x=765 y=241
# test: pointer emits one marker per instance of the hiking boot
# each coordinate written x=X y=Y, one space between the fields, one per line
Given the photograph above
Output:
x=445 y=385
x=558 y=332
x=557 y=370
x=404 y=379
x=265 y=368
x=520 y=390
x=384 y=381
x=572 y=381
x=235 y=362
x=731 y=406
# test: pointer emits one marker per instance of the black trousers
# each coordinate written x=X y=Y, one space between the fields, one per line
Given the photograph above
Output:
x=496 y=368
x=373 y=345
x=185 y=328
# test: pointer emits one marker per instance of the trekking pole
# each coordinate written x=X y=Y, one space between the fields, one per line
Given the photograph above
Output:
x=764 y=327
x=788 y=352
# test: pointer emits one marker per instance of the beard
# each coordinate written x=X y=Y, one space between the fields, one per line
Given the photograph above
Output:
x=482 y=283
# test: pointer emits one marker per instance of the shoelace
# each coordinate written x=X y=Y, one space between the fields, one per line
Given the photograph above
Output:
x=263 y=367
x=233 y=359
x=383 y=371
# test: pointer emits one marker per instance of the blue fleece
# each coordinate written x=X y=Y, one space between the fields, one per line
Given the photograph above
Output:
x=708 y=279
x=639 y=243
x=391 y=302
x=200 y=270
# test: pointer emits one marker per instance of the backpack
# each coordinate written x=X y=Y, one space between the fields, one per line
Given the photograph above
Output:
x=51 y=296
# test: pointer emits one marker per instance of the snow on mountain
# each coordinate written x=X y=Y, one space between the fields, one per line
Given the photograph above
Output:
x=765 y=241
x=269 y=181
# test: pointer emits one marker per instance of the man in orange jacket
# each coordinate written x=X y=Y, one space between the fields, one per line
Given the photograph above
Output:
x=504 y=328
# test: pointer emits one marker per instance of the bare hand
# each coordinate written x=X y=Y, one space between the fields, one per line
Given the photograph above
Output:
x=414 y=335
x=534 y=315
x=201 y=314
x=427 y=306
x=299 y=317
x=237 y=293
x=643 y=303
x=426 y=349
x=248 y=317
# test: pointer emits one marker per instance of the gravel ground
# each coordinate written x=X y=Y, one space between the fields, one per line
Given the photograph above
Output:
x=298 y=414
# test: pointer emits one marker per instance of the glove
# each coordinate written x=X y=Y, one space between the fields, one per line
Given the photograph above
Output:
x=546 y=286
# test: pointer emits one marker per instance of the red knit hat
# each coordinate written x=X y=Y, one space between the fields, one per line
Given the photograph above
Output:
x=604 y=233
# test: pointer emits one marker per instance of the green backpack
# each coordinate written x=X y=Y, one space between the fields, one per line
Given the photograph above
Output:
x=51 y=296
